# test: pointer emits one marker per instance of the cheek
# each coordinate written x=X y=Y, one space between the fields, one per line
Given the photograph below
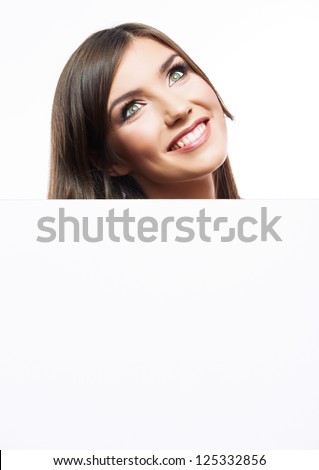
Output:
x=206 y=94
x=136 y=141
x=212 y=100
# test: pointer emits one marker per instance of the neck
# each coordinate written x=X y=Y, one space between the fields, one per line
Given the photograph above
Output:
x=200 y=188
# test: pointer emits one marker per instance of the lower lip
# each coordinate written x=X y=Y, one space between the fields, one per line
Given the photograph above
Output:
x=194 y=145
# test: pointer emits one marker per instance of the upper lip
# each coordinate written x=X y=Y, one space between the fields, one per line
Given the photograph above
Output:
x=181 y=134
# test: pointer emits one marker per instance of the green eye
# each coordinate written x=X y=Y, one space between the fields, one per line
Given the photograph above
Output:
x=132 y=108
x=177 y=73
x=175 y=76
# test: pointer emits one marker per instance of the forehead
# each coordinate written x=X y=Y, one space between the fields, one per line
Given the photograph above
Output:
x=141 y=60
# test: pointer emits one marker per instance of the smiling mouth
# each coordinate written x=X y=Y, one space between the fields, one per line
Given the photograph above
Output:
x=191 y=139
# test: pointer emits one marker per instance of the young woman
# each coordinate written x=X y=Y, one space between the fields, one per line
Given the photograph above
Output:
x=134 y=117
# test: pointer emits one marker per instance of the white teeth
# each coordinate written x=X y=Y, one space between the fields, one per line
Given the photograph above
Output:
x=197 y=133
x=190 y=137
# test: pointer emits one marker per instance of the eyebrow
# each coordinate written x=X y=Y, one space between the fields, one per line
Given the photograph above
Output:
x=138 y=91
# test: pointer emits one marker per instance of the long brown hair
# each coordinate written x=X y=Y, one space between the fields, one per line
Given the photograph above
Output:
x=80 y=151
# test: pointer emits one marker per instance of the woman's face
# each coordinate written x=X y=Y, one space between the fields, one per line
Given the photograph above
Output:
x=167 y=123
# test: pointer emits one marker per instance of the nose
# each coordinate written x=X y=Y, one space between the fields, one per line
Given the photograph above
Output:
x=176 y=109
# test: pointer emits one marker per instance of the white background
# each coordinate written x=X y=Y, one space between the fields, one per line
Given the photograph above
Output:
x=164 y=346
x=159 y=345
x=261 y=56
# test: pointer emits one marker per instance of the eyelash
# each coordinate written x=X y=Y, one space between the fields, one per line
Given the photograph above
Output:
x=179 y=67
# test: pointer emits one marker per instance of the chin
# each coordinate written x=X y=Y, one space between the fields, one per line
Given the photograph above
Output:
x=210 y=164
